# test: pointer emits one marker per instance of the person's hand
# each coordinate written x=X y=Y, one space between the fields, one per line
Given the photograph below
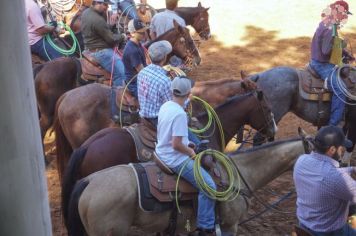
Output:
x=192 y=154
x=114 y=18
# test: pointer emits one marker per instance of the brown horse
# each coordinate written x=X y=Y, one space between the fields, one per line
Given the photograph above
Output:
x=54 y=78
x=83 y=111
x=114 y=146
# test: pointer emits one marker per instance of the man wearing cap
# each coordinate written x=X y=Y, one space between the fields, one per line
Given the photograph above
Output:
x=100 y=41
x=325 y=191
x=37 y=29
x=134 y=55
x=163 y=21
x=172 y=149
x=153 y=83
x=321 y=48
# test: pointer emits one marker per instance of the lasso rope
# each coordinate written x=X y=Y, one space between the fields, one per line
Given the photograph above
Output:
x=232 y=191
x=212 y=116
x=342 y=87
x=65 y=52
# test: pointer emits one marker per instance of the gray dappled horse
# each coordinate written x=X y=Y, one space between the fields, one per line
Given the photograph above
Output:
x=106 y=202
x=281 y=87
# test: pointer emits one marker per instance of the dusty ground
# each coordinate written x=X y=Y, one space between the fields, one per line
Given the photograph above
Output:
x=260 y=48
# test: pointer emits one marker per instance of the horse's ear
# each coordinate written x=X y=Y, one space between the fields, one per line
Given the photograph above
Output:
x=199 y=4
x=243 y=85
x=259 y=95
x=207 y=9
x=177 y=27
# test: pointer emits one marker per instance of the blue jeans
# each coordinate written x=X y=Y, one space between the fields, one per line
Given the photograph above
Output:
x=206 y=206
x=105 y=57
x=129 y=8
x=346 y=230
x=324 y=70
x=40 y=49
x=194 y=138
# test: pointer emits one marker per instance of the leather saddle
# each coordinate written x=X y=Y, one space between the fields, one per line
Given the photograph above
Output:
x=36 y=60
x=144 y=135
x=91 y=69
x=157 y=189
x=311 y=86
x=123 y=105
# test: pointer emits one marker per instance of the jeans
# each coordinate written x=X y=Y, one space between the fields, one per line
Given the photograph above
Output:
x=346 y=230
x=194 y=138
x=324 y=70
x=129 y=8
x=105 y=58
x=41 y=50
x=206 y=206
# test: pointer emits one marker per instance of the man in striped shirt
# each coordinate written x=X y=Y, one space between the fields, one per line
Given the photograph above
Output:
x=153 y=83
x=324 y=190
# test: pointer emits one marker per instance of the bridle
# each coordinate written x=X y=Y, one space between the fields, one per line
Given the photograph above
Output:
x=206 y=28
x=267 y=118
x=190 y=49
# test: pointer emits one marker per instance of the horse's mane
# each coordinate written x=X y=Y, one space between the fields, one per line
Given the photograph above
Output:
x=216 y=82
x=267 y=145
x=159 y=38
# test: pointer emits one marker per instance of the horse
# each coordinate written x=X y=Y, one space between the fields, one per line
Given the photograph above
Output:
x=83 y=111
x=56 y=77
x=114 y=146
x=107 y=201
x=281 y=86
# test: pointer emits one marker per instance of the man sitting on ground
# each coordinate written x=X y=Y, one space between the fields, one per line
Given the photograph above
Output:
x=325 y=191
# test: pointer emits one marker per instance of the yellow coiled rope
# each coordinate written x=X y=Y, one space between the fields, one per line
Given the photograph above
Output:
x=233 y=189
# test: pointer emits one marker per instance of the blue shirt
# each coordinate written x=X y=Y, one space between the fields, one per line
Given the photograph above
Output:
x=154 y=89
x=172 y=122
x=324 y=192
x=133 y=56
x=163 y=21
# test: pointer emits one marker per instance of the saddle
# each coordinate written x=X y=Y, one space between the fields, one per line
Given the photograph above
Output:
x=145 y=138
x=311 y=86
x=157 y=189
x=122 y=99
x=91 y=69
x=36 y=60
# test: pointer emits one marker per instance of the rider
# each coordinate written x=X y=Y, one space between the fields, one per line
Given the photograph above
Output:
x=172 y=148
x=324 y=190
x=163 y=21
x=37 y=29
x=321 y=50
x=134 y=55
x=100 y=41
x=127 y=7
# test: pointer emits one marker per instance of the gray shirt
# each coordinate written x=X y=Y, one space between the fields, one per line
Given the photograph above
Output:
x=163 y=21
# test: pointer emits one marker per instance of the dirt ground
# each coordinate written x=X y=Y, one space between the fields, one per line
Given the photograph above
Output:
x=262 y=49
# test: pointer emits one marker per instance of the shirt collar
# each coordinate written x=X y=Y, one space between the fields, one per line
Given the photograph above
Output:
x=170 y=11
x=325 y=158
x=159 y=68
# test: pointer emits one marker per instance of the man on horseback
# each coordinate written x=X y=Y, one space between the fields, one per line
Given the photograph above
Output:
x=37 y=29
x=127 y=7
x=134 y=57
x=324 y=190
x=100 y=41
x=321 y=55
x=172 y=149
x=163 y=21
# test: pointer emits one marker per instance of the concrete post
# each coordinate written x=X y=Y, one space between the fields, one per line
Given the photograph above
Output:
x=24 y=208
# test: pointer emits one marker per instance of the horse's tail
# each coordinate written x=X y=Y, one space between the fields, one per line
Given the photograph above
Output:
x=63 y=147
x=70 y=177
x=74 y=224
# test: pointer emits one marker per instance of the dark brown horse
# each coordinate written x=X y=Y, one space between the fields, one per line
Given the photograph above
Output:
x=114 y=146
x=54 y=78
x=84 y=111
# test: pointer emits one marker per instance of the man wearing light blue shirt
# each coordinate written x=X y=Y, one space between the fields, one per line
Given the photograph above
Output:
x=324 y=190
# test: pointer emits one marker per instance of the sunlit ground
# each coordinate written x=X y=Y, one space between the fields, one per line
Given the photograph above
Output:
x=289 y=18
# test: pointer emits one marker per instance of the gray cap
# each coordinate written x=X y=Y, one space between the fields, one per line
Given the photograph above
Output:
x=159 y=50
x=181 y=86
x=105 y=1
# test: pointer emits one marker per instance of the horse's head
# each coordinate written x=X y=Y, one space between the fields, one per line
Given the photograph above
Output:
x=201 y=22
x=262 y=118
x=184 y=46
